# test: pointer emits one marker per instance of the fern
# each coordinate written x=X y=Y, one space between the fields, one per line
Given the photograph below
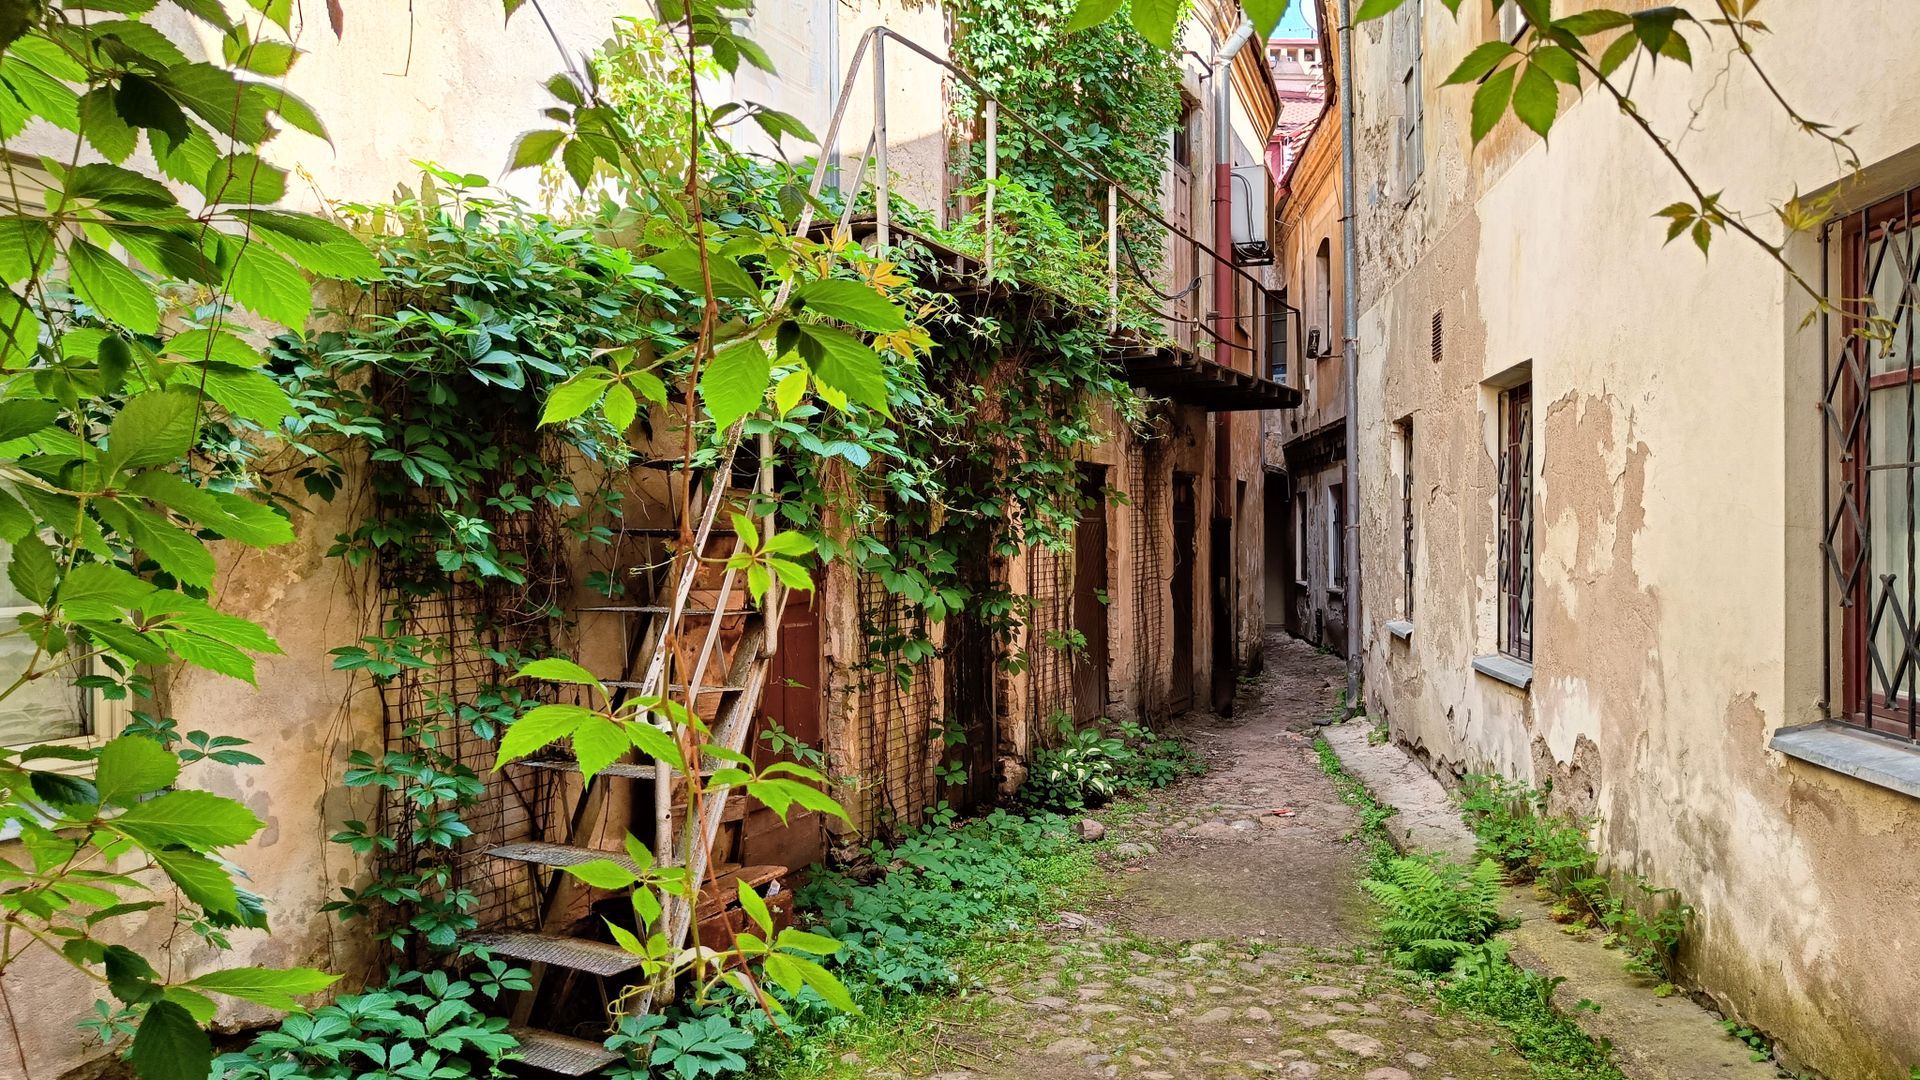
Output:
x=1435 y=912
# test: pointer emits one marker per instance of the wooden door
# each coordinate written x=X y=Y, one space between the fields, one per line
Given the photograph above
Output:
x=1180 y=692
x=1180 y=252
x=1090 y=599
x=1220 y=570
x=791 y=706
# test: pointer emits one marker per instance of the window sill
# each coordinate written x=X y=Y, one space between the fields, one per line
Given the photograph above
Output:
x=1400 y=628
x=1859 y=754
x=1500 y=668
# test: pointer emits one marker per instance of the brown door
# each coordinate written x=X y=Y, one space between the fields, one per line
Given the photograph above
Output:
x=1220 y=566
x=1180 y=250
x=1180 y=693
x=790 y=711
x=1090 y=599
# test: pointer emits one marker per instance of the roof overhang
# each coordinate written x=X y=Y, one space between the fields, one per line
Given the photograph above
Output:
x=1188 y=379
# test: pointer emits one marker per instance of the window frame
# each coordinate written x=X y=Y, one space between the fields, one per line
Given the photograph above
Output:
x=1863 y=704
x=1514 y=529
x=1413 y=106
x=1405 y=428
x=1302 y=528
x=1511 y=22
x=1336 y=537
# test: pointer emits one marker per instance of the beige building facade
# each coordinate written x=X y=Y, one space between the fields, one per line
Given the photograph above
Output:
x=1622 y=529
x=1306 y=448
x=1164 y=574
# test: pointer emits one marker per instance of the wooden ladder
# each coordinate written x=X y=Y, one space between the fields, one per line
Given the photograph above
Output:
x=683 y=637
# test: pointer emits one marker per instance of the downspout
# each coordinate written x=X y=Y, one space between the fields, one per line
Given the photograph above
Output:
x=1224 y=295
x=1223 y=290
x=1350 y=354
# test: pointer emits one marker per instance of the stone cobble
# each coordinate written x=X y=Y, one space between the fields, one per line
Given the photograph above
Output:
x=1231 y=938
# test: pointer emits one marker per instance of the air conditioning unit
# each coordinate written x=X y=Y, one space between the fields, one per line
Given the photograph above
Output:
x=1251 y=204
x=1313 y=343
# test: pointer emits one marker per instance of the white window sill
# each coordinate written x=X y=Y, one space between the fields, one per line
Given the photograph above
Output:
x=1862 y=755
x=1400 y=628
x=1501 y=668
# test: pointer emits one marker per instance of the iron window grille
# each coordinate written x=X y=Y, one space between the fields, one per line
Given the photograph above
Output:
x=1406 y=517
x=1516 y=524
x=1871 y=457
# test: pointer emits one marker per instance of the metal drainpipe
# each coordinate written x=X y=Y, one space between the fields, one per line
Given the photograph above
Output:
x=1350 y=353
x=1223 y=294
x=1223 y=291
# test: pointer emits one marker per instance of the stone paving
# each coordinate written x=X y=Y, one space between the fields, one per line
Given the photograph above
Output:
x=1231 y=938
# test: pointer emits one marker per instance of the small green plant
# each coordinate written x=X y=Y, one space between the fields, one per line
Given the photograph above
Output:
x=1759 y=1049
x=1373 y=813
x=1090 y=766
x=1435 y=912
x=1083 y=771
x=421 y=1026
x=1515 y=828
x=1648 y=931
x=710 y=1044
x=1153 y=760
x=1486 y=982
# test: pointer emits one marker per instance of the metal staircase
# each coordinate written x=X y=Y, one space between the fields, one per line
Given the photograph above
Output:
x=703 y=643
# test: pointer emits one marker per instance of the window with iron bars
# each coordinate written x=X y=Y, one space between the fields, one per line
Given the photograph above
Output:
x=1871 y=454
x=1406 y=517
x=1516 y=523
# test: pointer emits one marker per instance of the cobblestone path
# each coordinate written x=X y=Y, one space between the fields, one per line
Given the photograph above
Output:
x=1230 y=939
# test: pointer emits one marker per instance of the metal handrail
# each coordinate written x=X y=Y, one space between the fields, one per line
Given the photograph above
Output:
x=875 y=38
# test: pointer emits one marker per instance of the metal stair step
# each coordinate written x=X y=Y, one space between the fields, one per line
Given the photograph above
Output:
x=675 y=688
x=578 y=954
x=541 y=854
x=561 y=1054
x=655 y=609
x=624 y=770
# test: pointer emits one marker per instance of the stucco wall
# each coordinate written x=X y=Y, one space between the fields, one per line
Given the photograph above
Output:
x=1677 y=521
x=447 y=82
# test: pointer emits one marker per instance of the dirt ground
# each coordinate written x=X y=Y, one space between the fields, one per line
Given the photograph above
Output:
x=1230 y=939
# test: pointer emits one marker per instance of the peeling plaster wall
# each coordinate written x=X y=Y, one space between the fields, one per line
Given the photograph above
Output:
x=1676 y=513
x=436 y=83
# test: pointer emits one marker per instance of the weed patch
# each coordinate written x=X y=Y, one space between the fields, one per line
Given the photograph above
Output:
x=1516 y=829
x=957 y=896
x=1435 y=911
x=1486 y=983
x=1440 y=915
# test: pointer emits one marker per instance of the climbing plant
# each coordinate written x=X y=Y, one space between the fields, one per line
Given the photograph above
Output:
x=120 y=353
x=1108 y=95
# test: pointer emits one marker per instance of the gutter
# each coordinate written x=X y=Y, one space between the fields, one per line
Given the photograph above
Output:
x=1223 y=290
x=1350 y=355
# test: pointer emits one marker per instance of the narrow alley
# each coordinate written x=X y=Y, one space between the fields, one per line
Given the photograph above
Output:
x=1230 y=937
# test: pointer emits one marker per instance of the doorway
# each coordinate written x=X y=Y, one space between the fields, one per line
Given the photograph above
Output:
x=1090 y=598
x=1180 y=689
x=1220 y=571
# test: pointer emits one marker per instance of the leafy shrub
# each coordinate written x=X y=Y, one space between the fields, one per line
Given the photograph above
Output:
x=690 y=1047
x=1648 y=931
x=1090 y=767
x=1083 y=772
x=1484 y=981
x=1153 y=760
x=1515 y=828
x=421 y=1026
x=1436 y=912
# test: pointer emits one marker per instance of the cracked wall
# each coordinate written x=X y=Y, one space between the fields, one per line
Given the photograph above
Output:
x=1676 y=508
